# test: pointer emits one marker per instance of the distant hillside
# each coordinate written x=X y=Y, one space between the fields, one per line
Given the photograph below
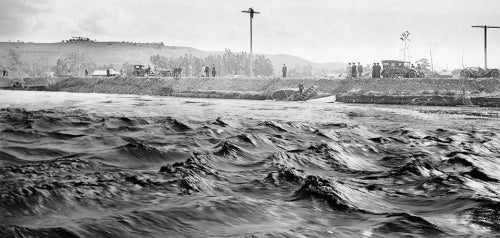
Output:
x=117 y=53
x=102 y=53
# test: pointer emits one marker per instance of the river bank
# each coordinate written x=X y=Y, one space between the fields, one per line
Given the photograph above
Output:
x=427 y=91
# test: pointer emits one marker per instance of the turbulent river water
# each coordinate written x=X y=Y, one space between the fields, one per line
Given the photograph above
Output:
x=100 y=165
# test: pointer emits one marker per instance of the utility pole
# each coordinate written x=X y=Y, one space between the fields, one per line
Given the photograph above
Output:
x=432 y=62
x=251 y=12
x=77 y=59
x=485 y=27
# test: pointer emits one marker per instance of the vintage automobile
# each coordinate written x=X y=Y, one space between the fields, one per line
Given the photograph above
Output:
x=478 y=72
x=139 y=70
x=163 y=72
x=396 y=68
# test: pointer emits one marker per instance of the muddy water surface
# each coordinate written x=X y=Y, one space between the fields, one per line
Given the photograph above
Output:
x=97 y=165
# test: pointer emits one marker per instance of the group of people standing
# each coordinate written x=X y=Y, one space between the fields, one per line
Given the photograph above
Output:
x=208 y=71
x=5 y=73
x=376 y=70
x=354 y=70
x=177 y=72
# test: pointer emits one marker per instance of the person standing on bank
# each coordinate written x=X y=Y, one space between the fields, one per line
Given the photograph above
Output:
x=360 y=70
x=348 y=71
x=213 y=71
x=378 y=71
x=374 y=70
x=354 y=71
x=207 y=71
x=283 y=70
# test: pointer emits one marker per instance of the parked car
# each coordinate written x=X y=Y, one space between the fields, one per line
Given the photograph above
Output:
x=139 y=70
x=396 y=68
x=478 y=72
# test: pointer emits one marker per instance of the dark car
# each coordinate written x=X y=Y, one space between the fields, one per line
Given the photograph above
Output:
x=396 y=68
x=139 y=70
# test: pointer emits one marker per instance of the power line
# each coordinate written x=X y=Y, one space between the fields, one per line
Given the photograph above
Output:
x=485 y=27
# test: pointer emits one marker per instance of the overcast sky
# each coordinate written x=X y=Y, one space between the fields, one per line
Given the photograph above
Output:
x=317 y=30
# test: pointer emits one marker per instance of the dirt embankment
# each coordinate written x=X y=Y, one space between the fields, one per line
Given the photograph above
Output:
x=426 y=91
x=185 y=87
x=235 y=88
x=482 y=92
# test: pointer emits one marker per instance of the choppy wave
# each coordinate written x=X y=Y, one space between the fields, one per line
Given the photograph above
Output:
x=78 y=174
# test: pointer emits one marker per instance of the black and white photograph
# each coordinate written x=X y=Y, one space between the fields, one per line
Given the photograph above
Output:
x=249 y=118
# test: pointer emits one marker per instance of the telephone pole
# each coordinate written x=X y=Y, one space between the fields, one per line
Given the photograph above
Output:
x=485 y=27
x=251 y=12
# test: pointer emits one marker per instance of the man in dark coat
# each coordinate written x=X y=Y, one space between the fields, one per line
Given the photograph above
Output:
x=107 y=72
x=374 y=70
x=360 y=70
x=378 y=70
x=213 y=71
x=348 y=71
x=283 y=70
x=354 y=70
x=207 y=71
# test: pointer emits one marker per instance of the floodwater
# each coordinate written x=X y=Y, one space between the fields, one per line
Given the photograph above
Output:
x=101 y=165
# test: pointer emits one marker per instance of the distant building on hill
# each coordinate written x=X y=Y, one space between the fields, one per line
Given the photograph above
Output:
x=79 y=39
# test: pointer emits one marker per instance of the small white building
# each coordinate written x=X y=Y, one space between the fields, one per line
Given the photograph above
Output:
x=103 y=73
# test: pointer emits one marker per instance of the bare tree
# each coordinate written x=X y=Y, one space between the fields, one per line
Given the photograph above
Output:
x=405 y=37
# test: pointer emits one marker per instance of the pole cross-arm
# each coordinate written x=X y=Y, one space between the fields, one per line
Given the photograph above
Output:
x=485 y=26
x=251 y=11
